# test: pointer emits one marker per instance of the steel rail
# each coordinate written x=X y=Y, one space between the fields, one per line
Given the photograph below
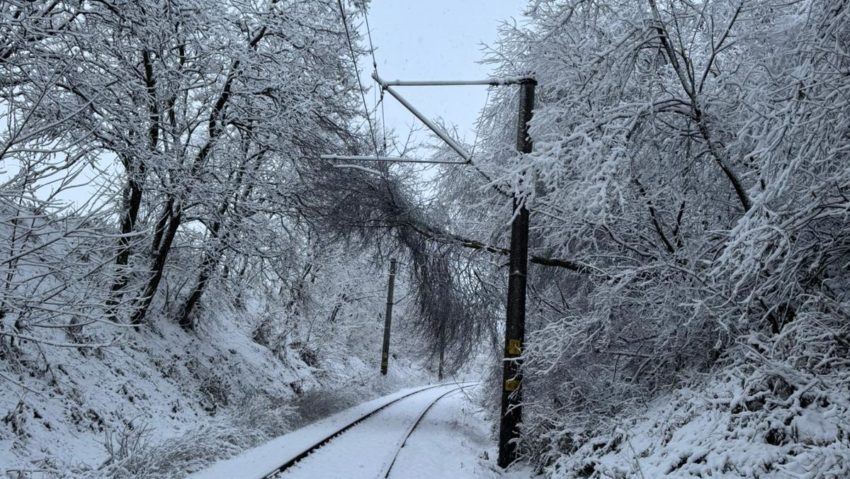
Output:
x=415 y=425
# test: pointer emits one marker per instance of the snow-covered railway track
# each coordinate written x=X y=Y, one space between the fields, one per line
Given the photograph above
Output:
x=369 y=445
x=409 y=433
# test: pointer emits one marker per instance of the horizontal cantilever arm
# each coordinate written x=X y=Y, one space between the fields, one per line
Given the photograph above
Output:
x=393 y=159
x=387 y=85
x=489 y=82
x=436 y=129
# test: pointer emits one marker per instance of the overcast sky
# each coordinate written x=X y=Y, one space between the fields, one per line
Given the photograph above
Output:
x=423 y=40
x=434 y=40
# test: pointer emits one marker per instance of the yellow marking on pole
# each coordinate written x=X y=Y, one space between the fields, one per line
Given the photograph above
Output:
x=514 y=347
x=511 y=385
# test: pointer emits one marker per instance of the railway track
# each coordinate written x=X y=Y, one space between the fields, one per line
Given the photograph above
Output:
x=398 y=410
x=409 y=433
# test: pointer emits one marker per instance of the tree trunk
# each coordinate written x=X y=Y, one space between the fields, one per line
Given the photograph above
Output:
x=135 y=185
x=173 y=219
x=213 y=257
x=208 y=266
x=172 y=215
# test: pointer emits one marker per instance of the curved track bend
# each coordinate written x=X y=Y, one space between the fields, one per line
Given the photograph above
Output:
x=370 y=445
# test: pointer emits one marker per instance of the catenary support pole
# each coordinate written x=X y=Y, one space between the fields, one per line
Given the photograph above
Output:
x=511 y=414
x=442 y=354
x=388 y=320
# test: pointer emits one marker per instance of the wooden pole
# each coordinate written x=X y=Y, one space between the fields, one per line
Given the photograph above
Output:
x=442 y=347
x=388 y=320
x=511 y=416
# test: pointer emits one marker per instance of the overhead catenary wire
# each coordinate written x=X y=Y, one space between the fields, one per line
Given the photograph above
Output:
x=499 y=189
x=477 y=130
x=369 y=36
x=380 y=101
x=357 y=74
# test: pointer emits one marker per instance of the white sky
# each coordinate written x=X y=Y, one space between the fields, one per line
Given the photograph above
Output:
x=435 y=40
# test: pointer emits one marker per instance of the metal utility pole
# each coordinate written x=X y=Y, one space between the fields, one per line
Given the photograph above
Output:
x=388 y=320
x=515 y=326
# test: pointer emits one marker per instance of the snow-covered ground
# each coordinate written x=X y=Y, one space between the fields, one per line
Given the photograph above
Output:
x=452 y=440
x=724 y=429
x=132 y=409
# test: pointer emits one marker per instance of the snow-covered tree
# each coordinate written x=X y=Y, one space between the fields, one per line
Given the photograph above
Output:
x=689 y=169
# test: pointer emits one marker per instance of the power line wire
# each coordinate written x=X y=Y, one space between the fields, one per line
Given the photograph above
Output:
x=477 y=129
x=357 y=74
x=375 y=67
x=369 y=35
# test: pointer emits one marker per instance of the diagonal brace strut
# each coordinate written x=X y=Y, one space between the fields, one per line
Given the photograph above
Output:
x=432 y=126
